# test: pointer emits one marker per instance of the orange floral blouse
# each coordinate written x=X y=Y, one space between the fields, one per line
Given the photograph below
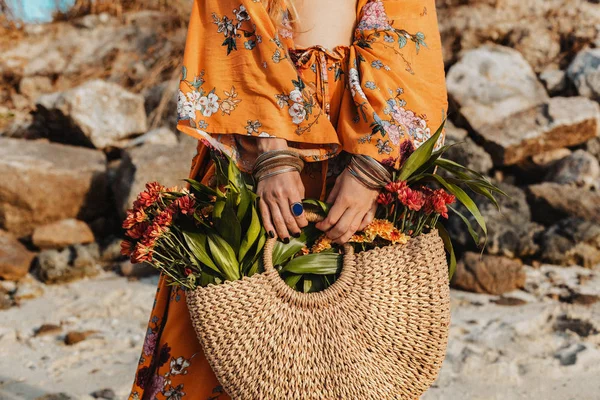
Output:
x=240 y=80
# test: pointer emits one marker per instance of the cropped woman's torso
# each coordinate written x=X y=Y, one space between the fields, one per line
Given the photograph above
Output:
x=327 y=23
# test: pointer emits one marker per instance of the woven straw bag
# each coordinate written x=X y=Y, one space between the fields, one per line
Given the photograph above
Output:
x=379 y=332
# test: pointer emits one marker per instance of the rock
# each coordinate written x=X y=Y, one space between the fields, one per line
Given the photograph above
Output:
x=548 y=158
x=555 y=81
x=539 y=45
x=5 y=301
x=75 y=337
x=580 y=168
x=44 y=182
x=488 y=274
x=15 y=259
x=56 y=396
x=580 y=299
x=579 y=326
x=509 y=301
x=48 y=329
x=162 y=99
x=107 y=394
x=454 y=134
x=96 y=114
x=138 y=270
x=74 y=262
x=492 y=82
x=469 y=154
x=553 y=201
x=568 y=355
x=62 y=233
x=592 y=146
x=572 y=241
x=163 y=136
x=510 y=230
x=561 y=122
x=111 y=251
x=28 y=288
x=584 y=72
x=146 y=163
x=34 y=86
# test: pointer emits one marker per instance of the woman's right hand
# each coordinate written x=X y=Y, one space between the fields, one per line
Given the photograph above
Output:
x=276 y=195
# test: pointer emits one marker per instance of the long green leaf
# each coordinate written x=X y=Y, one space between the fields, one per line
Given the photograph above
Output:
x=224 y=257
x=283 y=251
x=318 y=264
x=324 y=207
x=196 y=241
x=292 y=280
x=472 y=232
x=420 y=156
x=202 y=188
x=229 y=226
x=250 y=235
x=449 y=248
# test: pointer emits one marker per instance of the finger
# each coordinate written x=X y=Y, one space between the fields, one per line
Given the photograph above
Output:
x=288 y=217
x=279 y=222
x=344 y=225
x=301 y=220
x=368 y=218
x=266 y=217
x=332 y=217
x=351 y=230
x=334 y=192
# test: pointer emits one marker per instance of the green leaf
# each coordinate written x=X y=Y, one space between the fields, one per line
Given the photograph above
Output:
x=224 y=257
x=196 y=241
x=203 y=189
x=472 y=232
x=229 y=226
x=250 y=235
x=318 y=264
x=449 y=248
x=420 y=156
x=254 y=268
x=324 y=207
x=283 y=251
x=183 y=73
x=292 y=280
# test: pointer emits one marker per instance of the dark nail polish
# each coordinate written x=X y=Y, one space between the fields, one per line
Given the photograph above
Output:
x=271 y=234
x=286 y=240
x=296 y=235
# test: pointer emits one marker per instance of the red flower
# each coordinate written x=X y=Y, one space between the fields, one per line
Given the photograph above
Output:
x=394 y=187
x=437 y=202
x=141 y=253
x=389 y=162
x=186 y=204
x=187 y=271
x=385 y=199
x=137 y=231
x=413 y=199
x=149 y=196
x=129 y=221
x=126 y=247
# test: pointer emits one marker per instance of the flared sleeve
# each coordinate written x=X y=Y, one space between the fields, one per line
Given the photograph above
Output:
x=397 y=94
x=237 y=80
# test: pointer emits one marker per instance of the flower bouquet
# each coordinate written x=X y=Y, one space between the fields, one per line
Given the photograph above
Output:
x=205 y=235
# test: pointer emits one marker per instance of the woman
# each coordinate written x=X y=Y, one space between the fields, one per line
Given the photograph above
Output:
x=325 y=79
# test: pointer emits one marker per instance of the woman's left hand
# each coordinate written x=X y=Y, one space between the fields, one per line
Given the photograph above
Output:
x=354 y=207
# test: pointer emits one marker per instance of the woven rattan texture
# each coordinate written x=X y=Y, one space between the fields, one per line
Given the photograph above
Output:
x=379 y=332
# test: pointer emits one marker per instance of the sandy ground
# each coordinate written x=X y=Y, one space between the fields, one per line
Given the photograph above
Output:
x=543 y=349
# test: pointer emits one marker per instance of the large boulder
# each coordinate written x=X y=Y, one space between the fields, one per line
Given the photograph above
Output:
x=147 y=163
x=72 y=263
x=96 y=114
x=488 y=274
x=45 y=182
x=554 y=201
x=580 y=168
x=510 y=230
x=492 y=82
x=572 y=241
x=560 y=122
x=15 y=259
x=61 y=234
x=584 y=72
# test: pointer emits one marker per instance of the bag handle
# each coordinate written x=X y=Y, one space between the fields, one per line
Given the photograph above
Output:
x=310 y=217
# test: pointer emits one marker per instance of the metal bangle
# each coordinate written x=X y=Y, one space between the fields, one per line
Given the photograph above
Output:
x=359 y=178
x=278 y=172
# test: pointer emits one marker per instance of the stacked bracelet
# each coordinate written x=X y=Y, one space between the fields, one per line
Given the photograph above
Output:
x=268 y=163
x=369 y=172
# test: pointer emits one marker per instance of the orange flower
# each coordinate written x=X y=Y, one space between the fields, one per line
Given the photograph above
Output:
x=321 y=244
x=360 y=238
x=141 y=253
x=129 y=221
x=394 y=187
x=396 y=237
x=186 y=204
x=413 y=199
x=126 y=248
x=137 y=231
x=386 y=230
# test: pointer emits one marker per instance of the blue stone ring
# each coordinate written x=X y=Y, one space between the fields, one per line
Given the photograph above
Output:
x=297 y=209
